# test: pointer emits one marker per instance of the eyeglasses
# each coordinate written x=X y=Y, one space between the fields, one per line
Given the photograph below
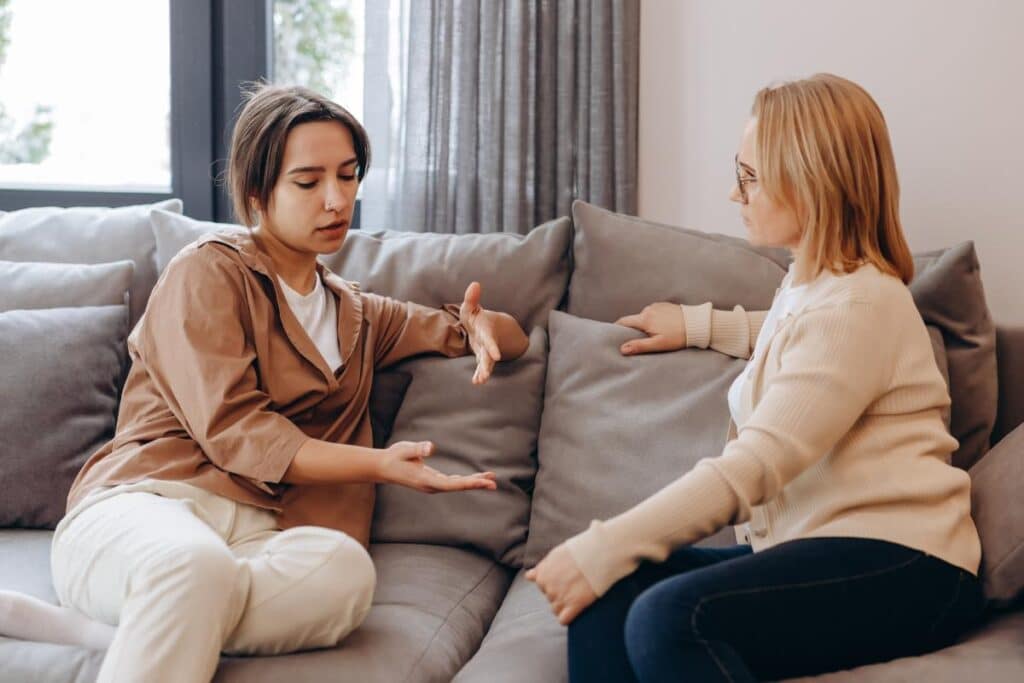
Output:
x=741 y=182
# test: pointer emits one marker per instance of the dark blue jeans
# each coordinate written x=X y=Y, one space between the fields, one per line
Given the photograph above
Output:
x=800 y=608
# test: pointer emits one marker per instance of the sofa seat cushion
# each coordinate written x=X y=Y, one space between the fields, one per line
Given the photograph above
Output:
x=432 y=607
x=525 y=642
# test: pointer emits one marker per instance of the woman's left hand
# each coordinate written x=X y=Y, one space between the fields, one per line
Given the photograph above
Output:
x=560 y=579
x=482 y=326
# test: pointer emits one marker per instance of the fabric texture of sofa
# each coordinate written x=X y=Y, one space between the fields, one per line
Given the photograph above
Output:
x=573 y=430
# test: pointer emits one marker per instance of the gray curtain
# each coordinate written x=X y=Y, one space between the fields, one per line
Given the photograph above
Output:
x=492 y=116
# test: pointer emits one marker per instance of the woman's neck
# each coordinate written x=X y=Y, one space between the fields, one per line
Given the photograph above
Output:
x=296 y=268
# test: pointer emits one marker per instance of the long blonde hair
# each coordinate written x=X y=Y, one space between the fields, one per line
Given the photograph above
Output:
x=823 y=148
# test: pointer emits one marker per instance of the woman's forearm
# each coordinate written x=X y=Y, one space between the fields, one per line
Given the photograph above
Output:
x=321 y=462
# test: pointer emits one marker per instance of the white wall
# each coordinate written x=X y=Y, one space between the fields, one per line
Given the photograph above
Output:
x=948 y=74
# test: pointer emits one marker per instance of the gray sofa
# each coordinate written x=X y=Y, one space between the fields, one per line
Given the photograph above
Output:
x=573 y=430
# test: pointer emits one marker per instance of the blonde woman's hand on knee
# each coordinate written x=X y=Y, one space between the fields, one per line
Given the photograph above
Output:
x=664 y=325
x=563 y=584
x=403 y=463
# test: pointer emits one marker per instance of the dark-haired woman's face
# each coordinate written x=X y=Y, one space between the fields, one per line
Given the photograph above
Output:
x=312 y=201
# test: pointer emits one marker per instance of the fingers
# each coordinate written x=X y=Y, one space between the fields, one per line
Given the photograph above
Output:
x=471 y=299
x=531 y=574
x=646 y=345
x=484 y=367
x=636 y=321
x=445 y=483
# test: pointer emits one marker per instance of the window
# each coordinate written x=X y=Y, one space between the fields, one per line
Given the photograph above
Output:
x=81 y=109
x=320 y=44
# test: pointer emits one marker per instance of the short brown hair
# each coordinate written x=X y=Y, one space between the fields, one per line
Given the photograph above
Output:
x=823 y=148
x=257 y=144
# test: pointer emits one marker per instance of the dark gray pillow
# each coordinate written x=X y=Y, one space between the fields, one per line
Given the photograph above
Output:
x=616 y=429
x=386 y=394
x=475 y=428
x=87 y=235
x=58 y=285
x=997 y=507
x=622 y=263
x=687 y=266
x=949 y=294
x=61 y=370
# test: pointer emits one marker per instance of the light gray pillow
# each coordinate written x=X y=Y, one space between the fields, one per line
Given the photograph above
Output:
x=616 y=429
x=524 y=276
x=475 y=428
x=997 y=507
x=87 y=235
x=57 y=285
x=61 y=373
x=173 y=232
x=948 y=291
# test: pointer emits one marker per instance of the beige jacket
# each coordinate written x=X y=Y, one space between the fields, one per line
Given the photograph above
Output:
x=225 y=385
x=841 y=434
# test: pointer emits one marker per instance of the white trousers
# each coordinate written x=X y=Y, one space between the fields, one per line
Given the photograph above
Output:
x=185 y=574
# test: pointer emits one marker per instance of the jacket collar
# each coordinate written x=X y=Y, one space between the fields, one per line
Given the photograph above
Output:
x=350 y=301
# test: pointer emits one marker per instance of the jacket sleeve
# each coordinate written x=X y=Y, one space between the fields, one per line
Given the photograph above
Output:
x=833 y=366
x=408 y=329
x=733 y=333
x=196 y=341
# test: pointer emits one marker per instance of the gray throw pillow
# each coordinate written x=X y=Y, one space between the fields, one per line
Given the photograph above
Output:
x=61 y=370
x=492 y=427
x=616 y=429
x=692 y=267
x=949 y=294
x=998 y=511
x=87 y=235
x=524 y=276
x=58 y=285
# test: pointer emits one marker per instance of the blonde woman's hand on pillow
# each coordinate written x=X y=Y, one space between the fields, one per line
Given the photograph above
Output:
x=664 y=326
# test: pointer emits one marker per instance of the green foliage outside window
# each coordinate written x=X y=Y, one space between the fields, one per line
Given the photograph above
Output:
x=314 y=42
x=31 y=144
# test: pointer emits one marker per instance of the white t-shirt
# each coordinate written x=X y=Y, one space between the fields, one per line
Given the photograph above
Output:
x=317 y=312
x=789 y=300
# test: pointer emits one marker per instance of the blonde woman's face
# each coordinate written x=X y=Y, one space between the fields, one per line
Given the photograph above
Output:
x=769 y=223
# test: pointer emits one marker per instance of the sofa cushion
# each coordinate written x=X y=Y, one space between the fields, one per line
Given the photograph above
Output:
x=431 y=609
x=26 y=285
x=87 y=235
x=492 y=427
x=997 y=507
x=616 y=429
x=62 y=373
x=523 y=276
x=948 y=291
x=525 y=642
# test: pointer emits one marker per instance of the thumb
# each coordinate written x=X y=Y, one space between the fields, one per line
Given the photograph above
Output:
x=417 y=449
x=646 y=345
x=472 y=297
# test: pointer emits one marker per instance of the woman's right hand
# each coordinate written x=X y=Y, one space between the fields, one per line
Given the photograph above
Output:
x=664 y=326
x=402 y=463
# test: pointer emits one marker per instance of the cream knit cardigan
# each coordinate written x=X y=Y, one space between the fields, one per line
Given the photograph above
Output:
x=841 y=434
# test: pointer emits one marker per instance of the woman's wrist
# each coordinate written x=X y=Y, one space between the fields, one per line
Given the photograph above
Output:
x=322 y=462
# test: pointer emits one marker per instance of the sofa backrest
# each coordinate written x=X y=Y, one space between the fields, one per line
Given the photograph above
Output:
x=1010 y=354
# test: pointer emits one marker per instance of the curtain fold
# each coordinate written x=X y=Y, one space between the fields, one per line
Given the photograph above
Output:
x=493 y=115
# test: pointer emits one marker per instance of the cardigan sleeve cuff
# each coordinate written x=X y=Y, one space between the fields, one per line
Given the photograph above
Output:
x=697 y=325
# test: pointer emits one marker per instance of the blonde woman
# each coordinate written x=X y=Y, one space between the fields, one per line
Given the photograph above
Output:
x=858 y=541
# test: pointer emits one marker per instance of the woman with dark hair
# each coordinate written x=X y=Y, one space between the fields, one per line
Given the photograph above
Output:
x=231 y=511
